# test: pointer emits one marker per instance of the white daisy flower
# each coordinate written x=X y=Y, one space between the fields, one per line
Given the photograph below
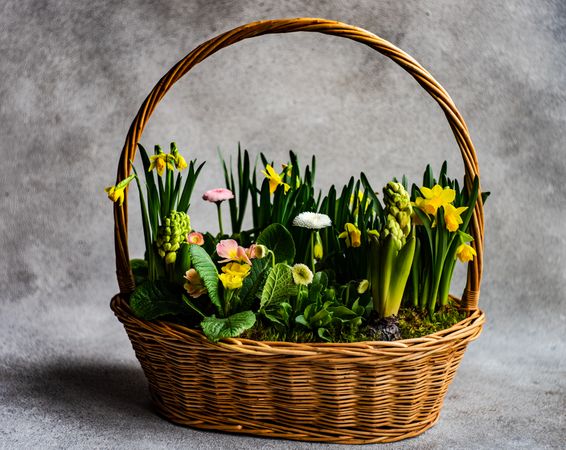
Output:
x=314 y=221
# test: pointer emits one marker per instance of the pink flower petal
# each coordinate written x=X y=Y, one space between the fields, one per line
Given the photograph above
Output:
x=218 y=195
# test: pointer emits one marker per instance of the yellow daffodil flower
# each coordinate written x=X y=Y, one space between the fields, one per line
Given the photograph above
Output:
x=159 y=162
x=452 y=216
x=177 y=159
x=274 y=179
x=374 y=232
x=352 y=235
x=180 y=162
x=231 y=281
x=358 y=202
x=465 y=253
x=116 y=193
x=435 y=198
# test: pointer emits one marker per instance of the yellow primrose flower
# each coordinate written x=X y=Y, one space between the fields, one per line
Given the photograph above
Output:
x=352 y=235
x=116 y=193
x=159 y=162
x=235 y=269
x=452 y=217
x=465 y=253
x=274 y=179
x=435 y=198
x=231 y=281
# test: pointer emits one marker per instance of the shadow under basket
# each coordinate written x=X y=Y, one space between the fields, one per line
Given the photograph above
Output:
x=364 y=392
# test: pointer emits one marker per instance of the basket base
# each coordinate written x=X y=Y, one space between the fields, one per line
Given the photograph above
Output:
x=272 y=430
x=358 y=393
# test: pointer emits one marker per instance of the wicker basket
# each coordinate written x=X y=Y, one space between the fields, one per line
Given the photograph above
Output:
x=354 y=393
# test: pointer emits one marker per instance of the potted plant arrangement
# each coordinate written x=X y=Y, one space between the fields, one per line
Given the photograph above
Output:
x=329 y=318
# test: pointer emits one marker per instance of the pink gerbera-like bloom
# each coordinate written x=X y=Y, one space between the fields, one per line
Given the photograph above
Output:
x=195 y=238
x=218 y=195
x=231 y=251
x=194 y=285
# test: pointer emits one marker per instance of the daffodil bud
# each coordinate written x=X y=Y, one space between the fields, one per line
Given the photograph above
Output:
x=318 y=251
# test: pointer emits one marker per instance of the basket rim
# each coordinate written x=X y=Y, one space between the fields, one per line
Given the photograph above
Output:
x=467 y=329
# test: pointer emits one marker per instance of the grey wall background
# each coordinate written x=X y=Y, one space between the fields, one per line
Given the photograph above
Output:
x=72 y=76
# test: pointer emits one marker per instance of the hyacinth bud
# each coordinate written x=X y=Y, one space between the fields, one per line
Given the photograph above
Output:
x=398 y=206
x=393 y=229
x=172 y=234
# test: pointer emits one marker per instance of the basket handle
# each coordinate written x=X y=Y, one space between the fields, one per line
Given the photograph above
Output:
x=124 y=274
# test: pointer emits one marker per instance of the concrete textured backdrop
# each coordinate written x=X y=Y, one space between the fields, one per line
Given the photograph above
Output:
x=72 y=75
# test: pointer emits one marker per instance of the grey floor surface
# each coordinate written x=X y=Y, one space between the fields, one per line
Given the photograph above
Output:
x=72 y=75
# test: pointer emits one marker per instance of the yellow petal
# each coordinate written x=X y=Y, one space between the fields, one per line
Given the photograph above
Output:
x=427 y=193
x=448 y=195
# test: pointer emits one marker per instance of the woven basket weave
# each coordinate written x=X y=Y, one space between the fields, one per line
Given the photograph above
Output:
x=353 y=393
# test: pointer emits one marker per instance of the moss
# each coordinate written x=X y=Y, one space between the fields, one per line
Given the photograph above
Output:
x=413 y=323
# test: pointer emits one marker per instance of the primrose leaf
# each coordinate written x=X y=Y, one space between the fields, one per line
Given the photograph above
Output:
x=207 y=271
x=151 y=300
x=252 y=283
x=278 y=239
x=278 y=286
x=216 y=329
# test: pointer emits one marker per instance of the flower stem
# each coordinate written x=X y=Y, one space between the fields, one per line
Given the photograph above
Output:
x=312 y=251
x=219 y=219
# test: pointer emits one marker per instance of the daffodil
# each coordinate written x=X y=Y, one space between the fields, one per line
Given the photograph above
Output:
x=373 y=233
x=160 y=162
x=179 y=161
x=352 y=235
x=274 y=179
x=452 y=216
x=465 y=253
x=435 y=198
x=358 y=202
x=116 y=193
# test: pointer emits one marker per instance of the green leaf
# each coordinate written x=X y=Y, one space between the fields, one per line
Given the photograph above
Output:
x=252 y=283
x=278 y=239
x=471 y=204
x=216 y=329
x=151 y=300
x=182 y=262
x=343 y=314
x=139 y=269
x=264 y=204
x=191 y=305
x=207 y=271
x=278 y=286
